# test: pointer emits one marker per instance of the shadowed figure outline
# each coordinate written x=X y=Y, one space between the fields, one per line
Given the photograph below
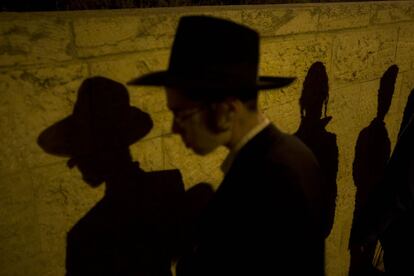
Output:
x=394 y=224
x=408 y=113
x=372 y=152
x=314 y=100
x=135 y=229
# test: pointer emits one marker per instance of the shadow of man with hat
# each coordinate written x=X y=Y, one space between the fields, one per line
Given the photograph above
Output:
x=312 y=131
x=389 y=214
x=134 y=228
x=265 y=217
x=395 y=219
x=372 y=152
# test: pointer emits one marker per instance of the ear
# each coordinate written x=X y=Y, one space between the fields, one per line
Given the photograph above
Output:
x=222 y=115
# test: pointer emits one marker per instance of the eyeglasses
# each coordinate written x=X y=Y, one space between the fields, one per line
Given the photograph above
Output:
x=182 y=115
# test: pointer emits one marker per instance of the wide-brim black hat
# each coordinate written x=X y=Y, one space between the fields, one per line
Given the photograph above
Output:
x=213 y=54
x=102 y=120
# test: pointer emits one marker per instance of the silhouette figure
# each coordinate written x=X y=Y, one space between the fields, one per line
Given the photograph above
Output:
x=396 y=200
x=135 y=229
x=408 y=113
x=312 y=132
x=372 y=152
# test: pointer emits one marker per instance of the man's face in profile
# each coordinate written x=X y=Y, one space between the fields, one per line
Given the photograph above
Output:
x=190 y=122
x=91 y=166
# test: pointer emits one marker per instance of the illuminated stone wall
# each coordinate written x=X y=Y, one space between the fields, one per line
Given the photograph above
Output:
x=45 y=56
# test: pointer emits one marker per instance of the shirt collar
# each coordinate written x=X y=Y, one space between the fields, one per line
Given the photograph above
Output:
x=225 y=166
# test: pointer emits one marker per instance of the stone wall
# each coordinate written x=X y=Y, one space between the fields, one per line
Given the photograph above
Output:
x=45 y=56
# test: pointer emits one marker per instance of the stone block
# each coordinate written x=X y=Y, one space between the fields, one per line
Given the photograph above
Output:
x=343 y=16
x=34 y=41
x=32 y=100
x=363 y=55
x=349 y=106
x=293 y=57
x=231 y=13
x=62 y=199
x=97 y=36
x=283 y=107
x=120 y=68
x=337 y=256
x=19 y=233
x=349 y=117
x=149 y=154
x=392 y=12
x=12 y=155
x=369 y=101
x=272 y=21
x=150 y=99
x=162 y=124
x=123 y=69
x=405 y=47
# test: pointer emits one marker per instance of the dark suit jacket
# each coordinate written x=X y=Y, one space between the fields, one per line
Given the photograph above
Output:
x=265 y=217
x=130 y=232
x=391 y=212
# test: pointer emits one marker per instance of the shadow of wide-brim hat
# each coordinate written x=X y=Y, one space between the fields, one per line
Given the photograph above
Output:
x=210 y=53
x=102 y=120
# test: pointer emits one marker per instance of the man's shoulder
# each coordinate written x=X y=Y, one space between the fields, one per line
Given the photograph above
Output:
x=275 y=153
x=282 y=148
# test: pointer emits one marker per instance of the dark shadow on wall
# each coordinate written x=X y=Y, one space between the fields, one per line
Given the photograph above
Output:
x=137 y=227
x=396 y=200
x=408 y=113
x=372 y=152
x=388 y=216
x=313 y=106
x=390 y=210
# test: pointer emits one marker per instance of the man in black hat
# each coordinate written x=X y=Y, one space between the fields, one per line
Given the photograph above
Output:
x=265 y=217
